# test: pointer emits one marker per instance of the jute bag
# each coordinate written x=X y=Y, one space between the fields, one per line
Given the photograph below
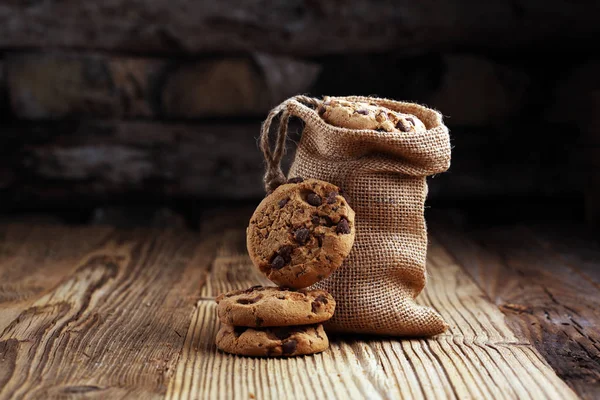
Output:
x=383 y=175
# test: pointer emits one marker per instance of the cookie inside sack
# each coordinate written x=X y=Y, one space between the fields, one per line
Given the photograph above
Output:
x=363 y=115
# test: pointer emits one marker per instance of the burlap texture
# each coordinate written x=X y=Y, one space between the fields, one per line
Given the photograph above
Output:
x=384 y=176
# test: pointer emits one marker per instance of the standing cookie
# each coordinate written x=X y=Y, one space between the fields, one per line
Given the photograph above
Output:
x=301 y=233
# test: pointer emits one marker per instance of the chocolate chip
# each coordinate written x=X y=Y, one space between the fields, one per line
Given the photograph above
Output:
x=283 y=202
x=314 y=199
x=286 y=252
x=278 y=262
x=380 y=130
x=331 y=197
x=289 y=347
x=315 y=305
x=250 y=300
x=259 y=321
x=282 y=333
x=363 y=111
x=321 y=299
x=411 y=120
x=316 y=220
x=343 y=227
x=297 y=179
x=301 y=235
x=322 y=110
x=402 y=126
x=282 y=257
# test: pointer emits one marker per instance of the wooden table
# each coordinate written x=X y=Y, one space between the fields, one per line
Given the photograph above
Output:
x=101 y=312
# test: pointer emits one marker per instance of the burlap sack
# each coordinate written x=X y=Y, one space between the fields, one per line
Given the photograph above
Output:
x=383 y=175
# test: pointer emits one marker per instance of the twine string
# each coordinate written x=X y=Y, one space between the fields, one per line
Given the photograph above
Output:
x=274 y=176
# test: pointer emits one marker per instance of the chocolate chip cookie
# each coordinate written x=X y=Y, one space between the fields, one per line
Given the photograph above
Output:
x=261 y=306
x=301 y=233
x=360 y=115
x=272 y=342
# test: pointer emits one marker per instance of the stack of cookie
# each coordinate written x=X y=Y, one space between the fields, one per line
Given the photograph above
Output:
x=298 y=235
x=272 y=322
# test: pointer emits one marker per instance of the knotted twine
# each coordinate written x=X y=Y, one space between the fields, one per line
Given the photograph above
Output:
x=274 y=176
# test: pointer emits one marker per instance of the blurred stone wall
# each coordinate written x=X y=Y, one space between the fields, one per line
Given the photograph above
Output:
x=113 y=100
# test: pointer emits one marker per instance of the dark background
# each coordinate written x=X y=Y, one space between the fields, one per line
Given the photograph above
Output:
x=110 y=105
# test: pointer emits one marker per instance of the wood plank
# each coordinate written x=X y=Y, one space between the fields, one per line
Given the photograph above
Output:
x=229 y=269
x=546 y=298
x=33 y=260
x=168 y=26
x=112 y=326
x=479 y=357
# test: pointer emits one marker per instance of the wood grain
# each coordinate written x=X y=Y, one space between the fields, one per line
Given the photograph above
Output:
x=29 y=271
x=104 y=313
x=230 y=268
x=292 y=27
x=548 y=299
x=479 y=357
x=110 y=316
